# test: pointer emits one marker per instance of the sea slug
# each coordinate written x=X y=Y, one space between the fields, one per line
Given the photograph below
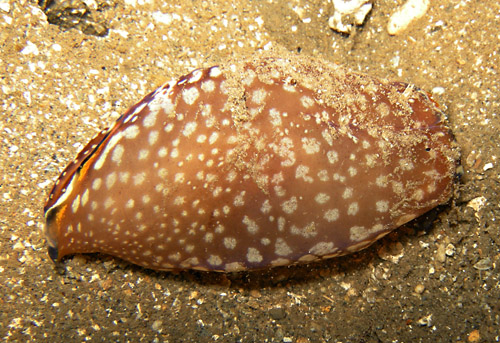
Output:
x=252 y=164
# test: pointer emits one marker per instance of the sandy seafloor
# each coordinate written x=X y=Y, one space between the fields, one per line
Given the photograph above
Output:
x=430 y=281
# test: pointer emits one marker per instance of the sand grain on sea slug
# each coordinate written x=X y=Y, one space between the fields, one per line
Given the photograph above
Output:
x=253 y=164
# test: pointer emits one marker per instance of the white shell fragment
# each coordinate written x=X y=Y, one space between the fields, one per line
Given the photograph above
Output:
x=348 y=13
x=404 y=15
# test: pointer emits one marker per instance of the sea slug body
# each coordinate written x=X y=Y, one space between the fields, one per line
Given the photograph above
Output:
x=253 y=164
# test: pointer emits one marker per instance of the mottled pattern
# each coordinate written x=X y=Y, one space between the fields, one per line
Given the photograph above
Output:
x=254 y=164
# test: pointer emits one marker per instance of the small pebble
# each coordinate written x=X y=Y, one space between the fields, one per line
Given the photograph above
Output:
x=425 y=321
x=450 y=250
x=348 y=13
x=474 y=336
x=488 y=166
x=404 y=15
x=255 y=293
x=277 y=313
x=156 y=326
x=438 y=90
x=440 y=253
x=483 y=264
x=419 y=289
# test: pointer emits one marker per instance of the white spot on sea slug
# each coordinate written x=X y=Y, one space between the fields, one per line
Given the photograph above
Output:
x=229 y=242
x=179 y=200
x=333 y=156
x=153 y=137
x=301 y=173
x=252 y=226
x=168 y=127
x=190 y=95
x=397 y=187
x=266 y=207
x=321 y=198
x=347 y=193
x=131 y=132
x=146 y=199
x=307 y=231
x=117 y=154
x=175 y=257
x=280 y=191
x=215 y=72
x=281 y=248
x=201 y=138
x=371 y=160
x=331 y=215
x=306 y=101
x=124 y=176
x=110 y=180
x=213 y=137
x=353 y=209
x=130 y=203
x=174 y=153
x=214 y=260
x=352 y=171
x=281 y=224
x=290 y=205
x=418 y=195
x=358 y=233
x=231 y=176
x=254 y=256
x=162 y=152
x=275 y=117
x=196 y=76
x=310 y=145
x=248 y=79
x=338 y=177
x=139 y=178
x=382 y=206
x=259 y=96
x=211 y=122
x=208 y=86
x=327 y=136
x=179 y=177
x=150 y=119
x=406 y=164
x=285 y=150
x=143 y=154
x=96 y=184
x=217 y=191
x=323 y=248
x=209 y=237
x=76 y=204
x=377 y=228
x=189 y=128
x=85 y=197
x=239 y=199
x=323 y=175
x=288 y=87
x=381 y=181
x=108 y=202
